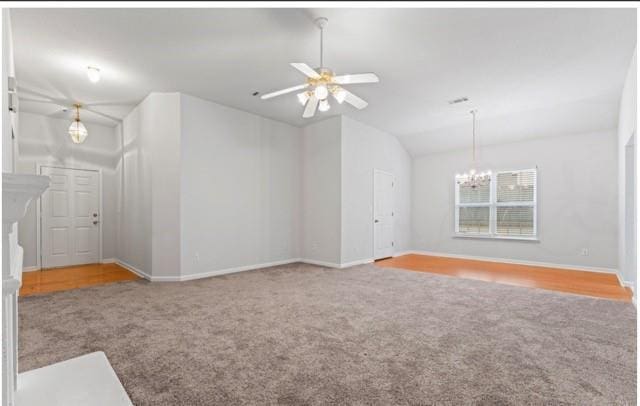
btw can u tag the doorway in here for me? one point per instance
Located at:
(70, 230)
(383, 214)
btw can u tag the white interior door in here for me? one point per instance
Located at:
(383, 215)
(70, 217)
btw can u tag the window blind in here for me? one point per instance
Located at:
(506, 207)
(480, 194)
(518, 186)
(474, 220)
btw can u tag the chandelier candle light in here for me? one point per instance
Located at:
(473, 178)
(77, 130)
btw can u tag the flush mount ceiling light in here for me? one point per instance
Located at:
(322, 82)
(93, 73)
(77, 130)
(473, 178)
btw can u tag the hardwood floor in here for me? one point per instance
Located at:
(73, 277)
(596, 284)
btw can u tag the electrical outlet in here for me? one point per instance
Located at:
(585, 251)
(197, 257)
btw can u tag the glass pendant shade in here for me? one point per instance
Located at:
(324, 106)
(321, 92)
(340, 95)
(303, 97)
(78, 132)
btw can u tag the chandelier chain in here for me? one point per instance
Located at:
(474, 135)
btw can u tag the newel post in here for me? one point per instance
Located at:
(17, 192)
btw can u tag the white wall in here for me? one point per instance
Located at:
(576, 194)
(165, 136)
(240, 188)
(134, 188)
(364, 149)
(149, 223)
(627, 125)
(44, 140)
(321, 191)
(7, 70)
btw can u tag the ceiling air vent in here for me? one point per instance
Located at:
(459, 100)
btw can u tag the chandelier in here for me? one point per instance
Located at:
(77, 130)
(472, 177)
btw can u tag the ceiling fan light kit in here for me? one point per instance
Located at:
(322, 82)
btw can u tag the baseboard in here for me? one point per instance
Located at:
(229, 270)
(355, 263)
(519, 262)
(182, 278)
(133, 269)
(631, 286)
(37, 268)
(167, 278)
(320, 263)
(401, 253)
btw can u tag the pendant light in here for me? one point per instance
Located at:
(77, 130)
(474, 178)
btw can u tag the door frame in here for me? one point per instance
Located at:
(630, 228)
(373, 212)
(39, 167)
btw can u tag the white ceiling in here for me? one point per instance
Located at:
(530, 72)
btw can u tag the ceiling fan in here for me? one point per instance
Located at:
(322, 82)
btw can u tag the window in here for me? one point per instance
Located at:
(505, 208)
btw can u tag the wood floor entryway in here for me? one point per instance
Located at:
(595, 284)
(73, 277)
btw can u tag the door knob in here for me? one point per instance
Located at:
(376, 221)
(95, 222)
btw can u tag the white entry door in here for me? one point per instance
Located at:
(383, 215)
(70, 231)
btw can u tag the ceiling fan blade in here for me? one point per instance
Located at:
(310, 110)
(354, 100)
(356, 78)
(304, 68)
(283, 91)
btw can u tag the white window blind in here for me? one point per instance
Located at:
(506, 207)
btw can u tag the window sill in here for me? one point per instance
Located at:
(496, 237)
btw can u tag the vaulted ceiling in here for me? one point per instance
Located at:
(529, 72)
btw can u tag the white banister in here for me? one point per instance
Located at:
(17, 192)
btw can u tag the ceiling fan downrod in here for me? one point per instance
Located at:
(321, 22)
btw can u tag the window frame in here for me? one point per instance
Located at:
(493, 205)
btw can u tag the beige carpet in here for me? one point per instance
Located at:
(302, 334)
